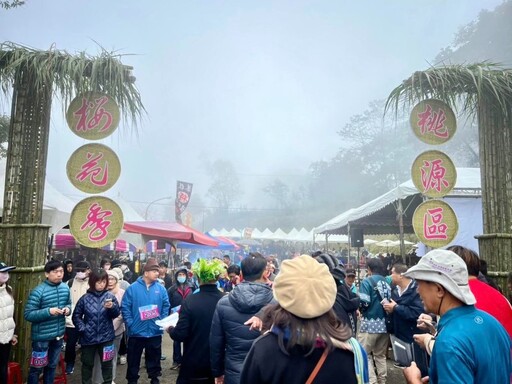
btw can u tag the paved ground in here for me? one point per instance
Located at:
(169, 376)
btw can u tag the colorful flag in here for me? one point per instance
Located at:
(183, 193)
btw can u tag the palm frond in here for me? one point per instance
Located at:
(71, 75)
(457, 85)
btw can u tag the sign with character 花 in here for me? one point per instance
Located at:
(93, 168)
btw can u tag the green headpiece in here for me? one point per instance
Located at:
(208, 270)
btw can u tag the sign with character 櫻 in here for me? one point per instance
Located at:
(93, 116)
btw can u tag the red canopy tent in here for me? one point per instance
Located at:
(169, 231)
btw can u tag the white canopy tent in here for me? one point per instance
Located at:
(56, 207)
(380, 215)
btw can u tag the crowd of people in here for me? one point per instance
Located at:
(303, 320)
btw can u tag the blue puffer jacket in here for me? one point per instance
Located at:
(93, 321)
(37, 310)
(139, 305)
(230, 339)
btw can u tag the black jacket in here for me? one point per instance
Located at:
(406, 313)
(267, 364)
(193, 329)
(230, 339)
(92, 320)
(346, 305)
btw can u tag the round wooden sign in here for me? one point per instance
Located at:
(93, 115)
(435, 223)
(96, 221)
(433, 121)
(434, 174)
(93, 168)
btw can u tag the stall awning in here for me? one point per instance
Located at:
(169, 231)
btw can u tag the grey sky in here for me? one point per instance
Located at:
(265, 84)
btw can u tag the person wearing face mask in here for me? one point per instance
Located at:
(78, 287)
(177, 293)
(127, 274)
(7, 324)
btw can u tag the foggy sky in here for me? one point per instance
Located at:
(264, 84)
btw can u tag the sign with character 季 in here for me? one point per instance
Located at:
(434, 174)
(93, 115)
(435, 223)
(96, 221)
(93, 168)
(433, 121)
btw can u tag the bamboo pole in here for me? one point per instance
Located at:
(23, 240)
(495, 246)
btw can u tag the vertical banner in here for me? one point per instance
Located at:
(183, 193)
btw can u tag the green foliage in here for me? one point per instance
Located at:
(4, 134)
(73, 74)
(457, 85)
(11, 4)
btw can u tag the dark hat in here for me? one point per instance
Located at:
(115, 263)
(151, 265)
(83, 265)
(5, 268)
(350, 272)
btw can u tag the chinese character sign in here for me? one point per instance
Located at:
(183, 193)
(434, 174)
(93, 116)
(247, 233)
(435, 223)
(93, 168)
(96, 221)
(433, 122)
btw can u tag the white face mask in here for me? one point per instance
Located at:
(81, 275)
(4, 277)
(124, 267)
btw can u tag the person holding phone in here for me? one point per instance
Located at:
(93, 318)
(46, 308)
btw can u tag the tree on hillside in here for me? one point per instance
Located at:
(486, 39)
(225, 186)
(280, 192)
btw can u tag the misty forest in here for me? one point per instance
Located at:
(375, 151)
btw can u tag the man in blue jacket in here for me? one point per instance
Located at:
(46, 308)
(144, 302)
